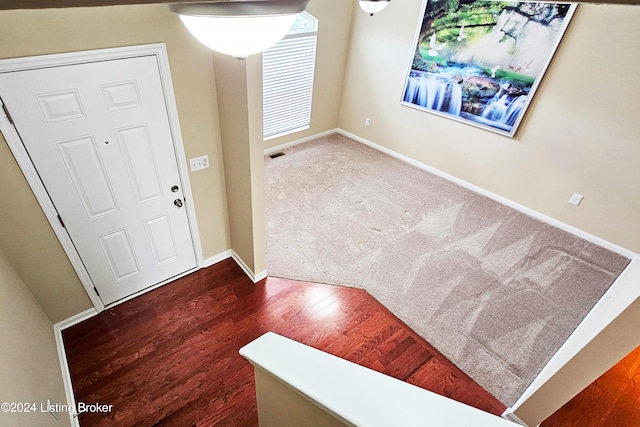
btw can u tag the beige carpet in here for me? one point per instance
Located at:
(494, 290)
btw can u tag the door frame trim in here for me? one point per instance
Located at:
(158, 50)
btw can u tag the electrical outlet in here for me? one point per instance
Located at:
(199, 163)
(367, 121)
(576, 199)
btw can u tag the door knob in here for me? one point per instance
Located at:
(174, 189)
(178, 203)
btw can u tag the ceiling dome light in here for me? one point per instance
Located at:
(239, 27)
(238, 36)
(373, 6)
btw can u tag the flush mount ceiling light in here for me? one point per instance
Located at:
(373, 6)
(239, 27)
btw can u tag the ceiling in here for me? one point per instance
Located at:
(46, 4)
(50, 4)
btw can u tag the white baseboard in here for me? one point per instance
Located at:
(217, 258)
(521, 208)
(525, 210)
(299, 141)
(230, 253)
(75, 319)
(255, 278)
(62, 357)
(87, 314)
(509, 415)
(205, 263)
(258, 277)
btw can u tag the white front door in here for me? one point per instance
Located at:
(99, 137)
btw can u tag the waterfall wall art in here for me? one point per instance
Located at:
(480, 62)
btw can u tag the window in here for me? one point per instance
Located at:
(287, 79)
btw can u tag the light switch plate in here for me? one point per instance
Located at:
(199, 163)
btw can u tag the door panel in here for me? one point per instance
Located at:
(119, 254)
(57, 107)
(160, 237)
(141, 165)
(119, 96)
(99, 136)
(85, 169)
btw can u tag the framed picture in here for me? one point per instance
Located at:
(480, 62)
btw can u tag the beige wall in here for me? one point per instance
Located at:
(239, 86)
(29, 367)
(579, 135)
(334, 25)
(280, 405)
(240, 101)
(256, 161)
(26, 237)
(33, 249)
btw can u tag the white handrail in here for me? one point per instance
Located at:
(355, 394)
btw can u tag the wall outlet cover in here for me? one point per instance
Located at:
(576, 199)
(199, 163)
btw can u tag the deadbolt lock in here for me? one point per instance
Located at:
(174, 189)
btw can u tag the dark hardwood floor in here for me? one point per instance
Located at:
(170, 357)
(613, 400)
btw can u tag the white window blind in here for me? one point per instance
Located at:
(287, 83)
